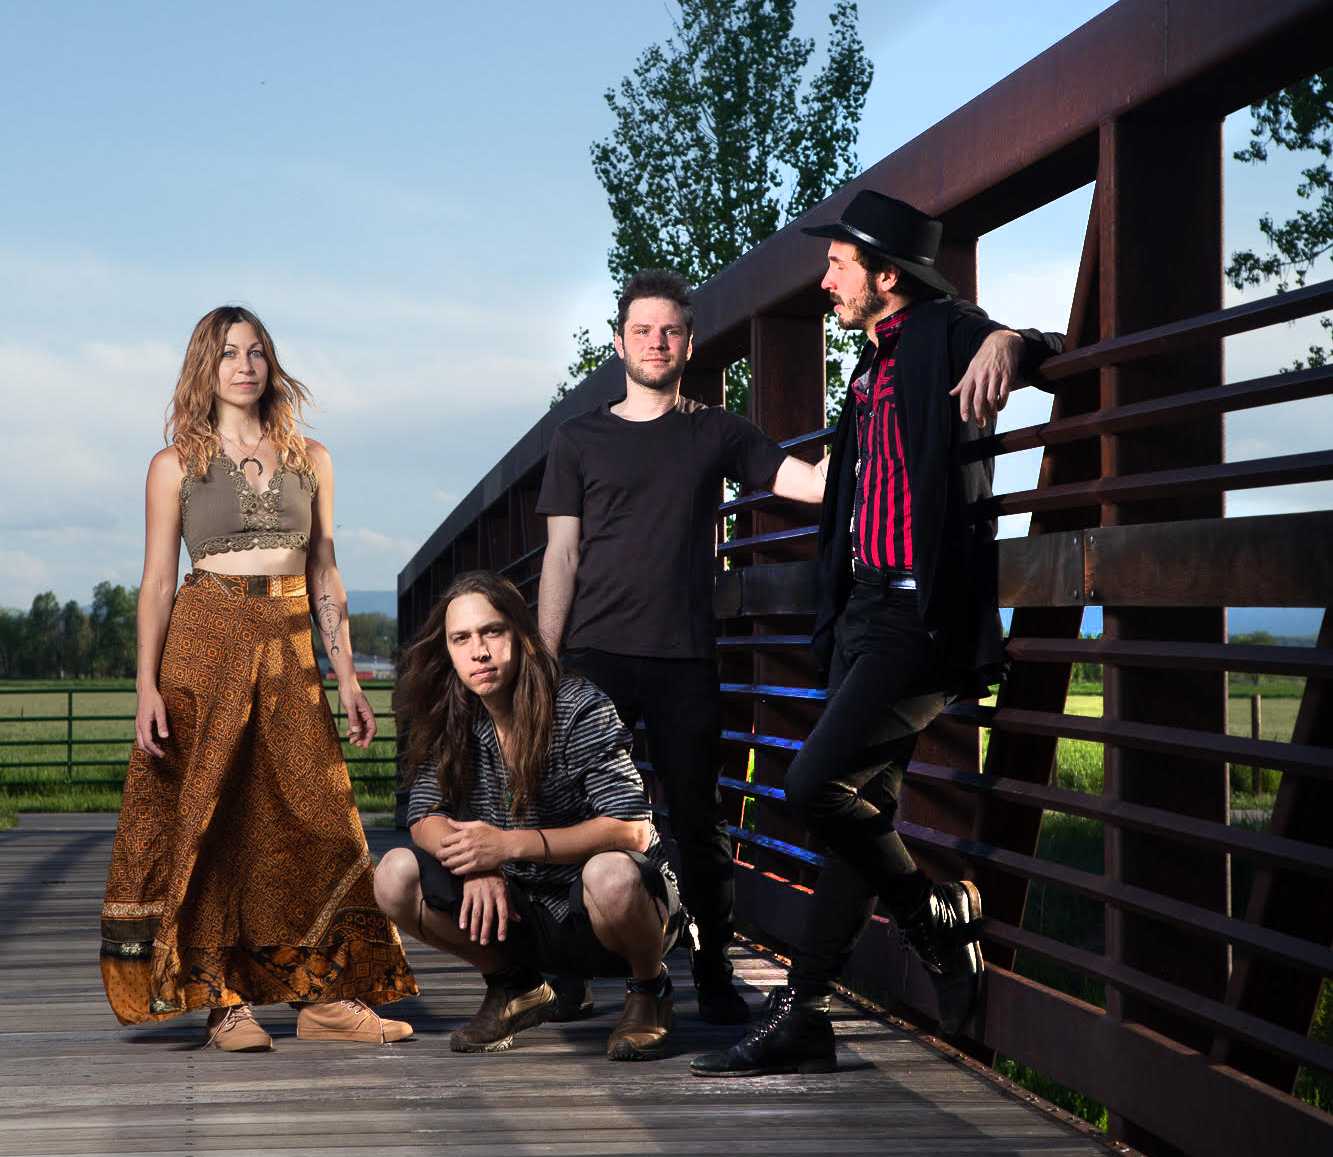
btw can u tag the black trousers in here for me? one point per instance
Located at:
(884, 690)
(680, 705)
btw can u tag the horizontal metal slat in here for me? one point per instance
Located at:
(1176, 335)
(1286, 470)
(1226, 399)
(794, 851)
(743, 642)
(774, 691)
(754, 739)
(514, 564)
(1258, 846)
(1302, 759)
(1173, 655)
(1214, 925)
(794, 534)
(1169, 996)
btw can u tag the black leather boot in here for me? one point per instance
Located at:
(794, 1035)
(719, 1001)
(943, 933)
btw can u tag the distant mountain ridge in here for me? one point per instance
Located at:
(1294, 624)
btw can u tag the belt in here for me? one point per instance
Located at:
(254, 586)
(887, 578)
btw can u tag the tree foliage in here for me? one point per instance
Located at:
(721, 137)
(1298, 119)
(53, 642)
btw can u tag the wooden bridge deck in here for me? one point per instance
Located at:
(74, 1082)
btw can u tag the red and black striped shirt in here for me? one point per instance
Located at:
(882, 513)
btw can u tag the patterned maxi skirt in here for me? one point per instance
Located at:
(240, 872)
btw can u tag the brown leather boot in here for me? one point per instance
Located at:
(641, 1032)
(349, 1020)
(503, 1013)
(235, 1030)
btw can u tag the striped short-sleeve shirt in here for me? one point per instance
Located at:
(589, 774)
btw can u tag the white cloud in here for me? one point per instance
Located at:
(374, 542)
(22, 575)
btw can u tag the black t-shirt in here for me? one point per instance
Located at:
(647, 494)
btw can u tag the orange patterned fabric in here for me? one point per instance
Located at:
(240, 872)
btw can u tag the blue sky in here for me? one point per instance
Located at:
(404, 194)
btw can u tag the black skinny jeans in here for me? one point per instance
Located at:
(680, 705)
(884, 690)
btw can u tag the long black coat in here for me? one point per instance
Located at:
(954, 556)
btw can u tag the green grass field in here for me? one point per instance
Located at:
(99, 741)
(34, 731)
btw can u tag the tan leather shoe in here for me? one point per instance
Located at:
(501, 1015)
(349, 1020)
(641, 1032)
(235, 1030)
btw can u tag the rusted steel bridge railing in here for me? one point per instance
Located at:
(1207, 1011)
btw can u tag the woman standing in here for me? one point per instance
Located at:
(240, 873)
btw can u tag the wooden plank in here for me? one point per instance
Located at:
(73, 1082)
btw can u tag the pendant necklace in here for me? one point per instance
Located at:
(249, 456)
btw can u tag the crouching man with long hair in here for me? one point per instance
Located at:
(534, 847)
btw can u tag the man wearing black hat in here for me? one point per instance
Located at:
(907, 617)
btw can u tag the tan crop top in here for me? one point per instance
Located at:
(222, 512)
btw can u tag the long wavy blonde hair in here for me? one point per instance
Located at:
(191, 417)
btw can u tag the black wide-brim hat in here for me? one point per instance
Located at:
(892, 229)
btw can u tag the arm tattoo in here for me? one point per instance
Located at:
(330, 618)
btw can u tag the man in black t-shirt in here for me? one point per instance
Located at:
(631, 493)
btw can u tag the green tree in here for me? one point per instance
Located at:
(1299, 119)
(13, 629)
(373, 634)
(113, 629)
(42, 638)
(76, 638)
(720, 140)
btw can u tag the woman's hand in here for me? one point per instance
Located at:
(360, 718)
(473, 846)
(485, 907)
(150, 712)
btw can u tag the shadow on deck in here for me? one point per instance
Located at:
(74, 1082)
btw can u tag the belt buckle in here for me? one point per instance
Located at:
(256, 586)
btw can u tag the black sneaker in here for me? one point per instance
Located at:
(503, 1012)
(573, 998)
(943, 933)
(792, 1036)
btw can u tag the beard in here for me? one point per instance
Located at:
(860, 309)
(658, 376)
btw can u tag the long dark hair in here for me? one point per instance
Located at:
(437, 711)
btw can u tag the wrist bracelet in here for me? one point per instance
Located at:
(546, 848)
